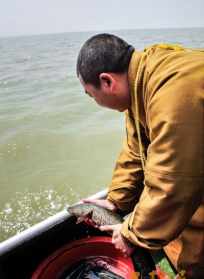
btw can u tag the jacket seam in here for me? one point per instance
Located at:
(154, 173)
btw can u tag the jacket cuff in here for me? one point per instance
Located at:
(137, 240)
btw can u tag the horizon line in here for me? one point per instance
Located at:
(97, 30)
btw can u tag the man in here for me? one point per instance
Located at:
(159, 175)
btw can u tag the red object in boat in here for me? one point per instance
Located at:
(67, 256)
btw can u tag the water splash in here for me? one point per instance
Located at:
(27, 209)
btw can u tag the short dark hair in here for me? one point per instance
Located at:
(103, 53)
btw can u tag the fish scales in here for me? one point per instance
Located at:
(99, 215)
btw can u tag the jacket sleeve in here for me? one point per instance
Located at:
(174, 172)
(127, 181)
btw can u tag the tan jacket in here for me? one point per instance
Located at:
(167, 199)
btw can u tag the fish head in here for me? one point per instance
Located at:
(82, 212)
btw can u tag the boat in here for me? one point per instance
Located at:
(23, 255)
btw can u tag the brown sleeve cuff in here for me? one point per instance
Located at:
(136, 239)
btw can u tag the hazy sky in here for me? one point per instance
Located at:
(19, 17)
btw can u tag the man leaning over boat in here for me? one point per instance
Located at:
(159, 175)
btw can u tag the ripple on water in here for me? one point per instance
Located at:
(26, 209)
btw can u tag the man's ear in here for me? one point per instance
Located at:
(106, 80)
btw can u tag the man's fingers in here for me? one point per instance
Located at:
(107, 228)
(96, 202)
(87, 201)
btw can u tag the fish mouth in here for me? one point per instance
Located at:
(86, 218)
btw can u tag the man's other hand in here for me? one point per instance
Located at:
(117, 239)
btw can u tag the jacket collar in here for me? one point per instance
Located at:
(133, 72)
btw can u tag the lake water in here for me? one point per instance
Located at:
(56, 145)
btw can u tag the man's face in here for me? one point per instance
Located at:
(114, 97)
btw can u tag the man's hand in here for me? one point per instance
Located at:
(103, 203)
(117, 239)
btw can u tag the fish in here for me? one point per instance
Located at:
(88, 270)
(94, 215)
